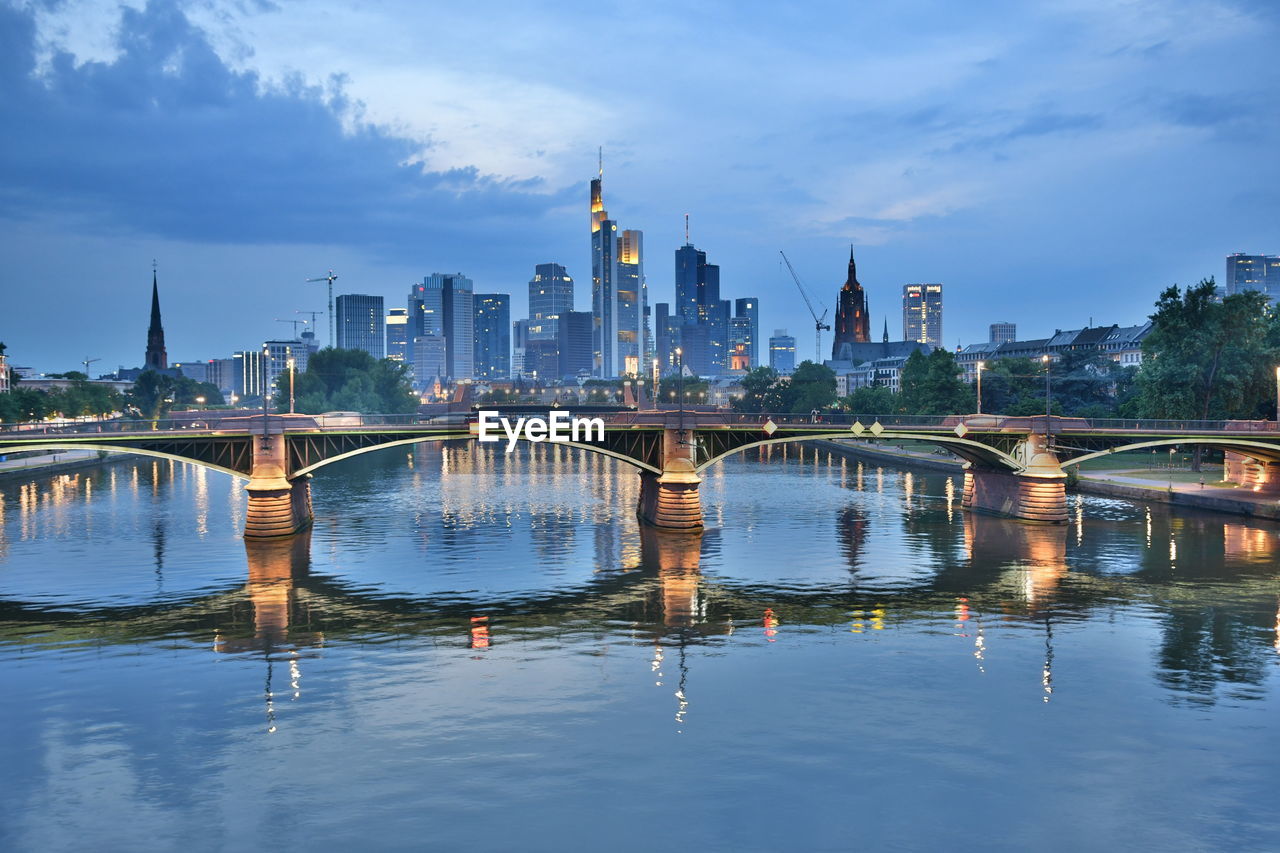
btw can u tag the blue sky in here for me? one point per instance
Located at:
(1049, 163)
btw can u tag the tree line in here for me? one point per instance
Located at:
(1204, 358)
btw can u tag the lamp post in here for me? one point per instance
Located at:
(979, 365)
(291, 371)
(266, 393)
(200, 402)
(1278, 398)
(680, 381)
(655, 383)
(1047, 399)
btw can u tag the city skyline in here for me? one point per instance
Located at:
(974, 174)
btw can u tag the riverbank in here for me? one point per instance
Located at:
(893, 455)
(1138, 485)
(49, 463)
(1233, 500)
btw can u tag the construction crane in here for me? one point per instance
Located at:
(296, 324)
(86, 362)
(329, 278)
(818, 323)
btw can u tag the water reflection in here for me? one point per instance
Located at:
(1207, 582)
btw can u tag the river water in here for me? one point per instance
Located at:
(474, 651)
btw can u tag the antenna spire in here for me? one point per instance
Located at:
(686, 230)
(600, 154)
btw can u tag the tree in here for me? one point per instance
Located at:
(348, 380)
(762, 391)
(870, 400)
(812, 386)
(930, 385)
(1206, 359)
(151, 395)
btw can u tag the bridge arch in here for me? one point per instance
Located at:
(593, 448)
(973, 452)
(1253, 449)
(115, 448)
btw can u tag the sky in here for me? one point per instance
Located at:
(1052, 164)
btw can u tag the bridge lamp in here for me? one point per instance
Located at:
(291, 371)
(1047, 406)
(200, 401)
(980, 365)
(1278, 396)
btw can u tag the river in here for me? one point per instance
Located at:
(476, 651)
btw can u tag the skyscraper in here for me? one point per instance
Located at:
(782, 352)
(632, 299)
(748, 308)
(922, 313)
(853, 320)
(492, 328)
(574, 344)
(604, 282)
(360, 323)
(1003, 332)
(1254, 272)
(618, 291)
(397, 323)
(157, 358)
(703, 317)
(550, 295)
(443, 306)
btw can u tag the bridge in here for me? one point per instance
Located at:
(1014, 466)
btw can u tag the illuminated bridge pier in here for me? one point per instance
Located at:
(1014, 466)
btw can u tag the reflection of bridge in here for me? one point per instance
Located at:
(1014, 465)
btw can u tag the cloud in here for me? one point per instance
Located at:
(166, 139)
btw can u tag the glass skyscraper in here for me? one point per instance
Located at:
(922, 313)
(618, 292)
(442, 306)
(360, 323)
(492, 328)
(1254, 272)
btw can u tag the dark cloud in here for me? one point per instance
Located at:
(168, 140)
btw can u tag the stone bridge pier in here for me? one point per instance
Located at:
(1037, 494)
(1258, 475)
(670, 500)
(277, 506)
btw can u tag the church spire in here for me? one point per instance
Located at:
(886, 330)
(157, 358)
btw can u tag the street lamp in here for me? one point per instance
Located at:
(291, 364)
(1045, 359)
(1278, 398)
(980, 366)
(680, 380)
(200, 402)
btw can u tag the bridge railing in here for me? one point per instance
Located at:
(1166, 425)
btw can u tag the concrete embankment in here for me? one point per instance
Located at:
(895, 456)
(1192, 496)
(1232, 501)
(49, 463)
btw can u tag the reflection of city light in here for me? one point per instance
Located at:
(770, 625)
(655, 665)
(950, 490)
(1173, 549)
(479, 632)
(1148, 527)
